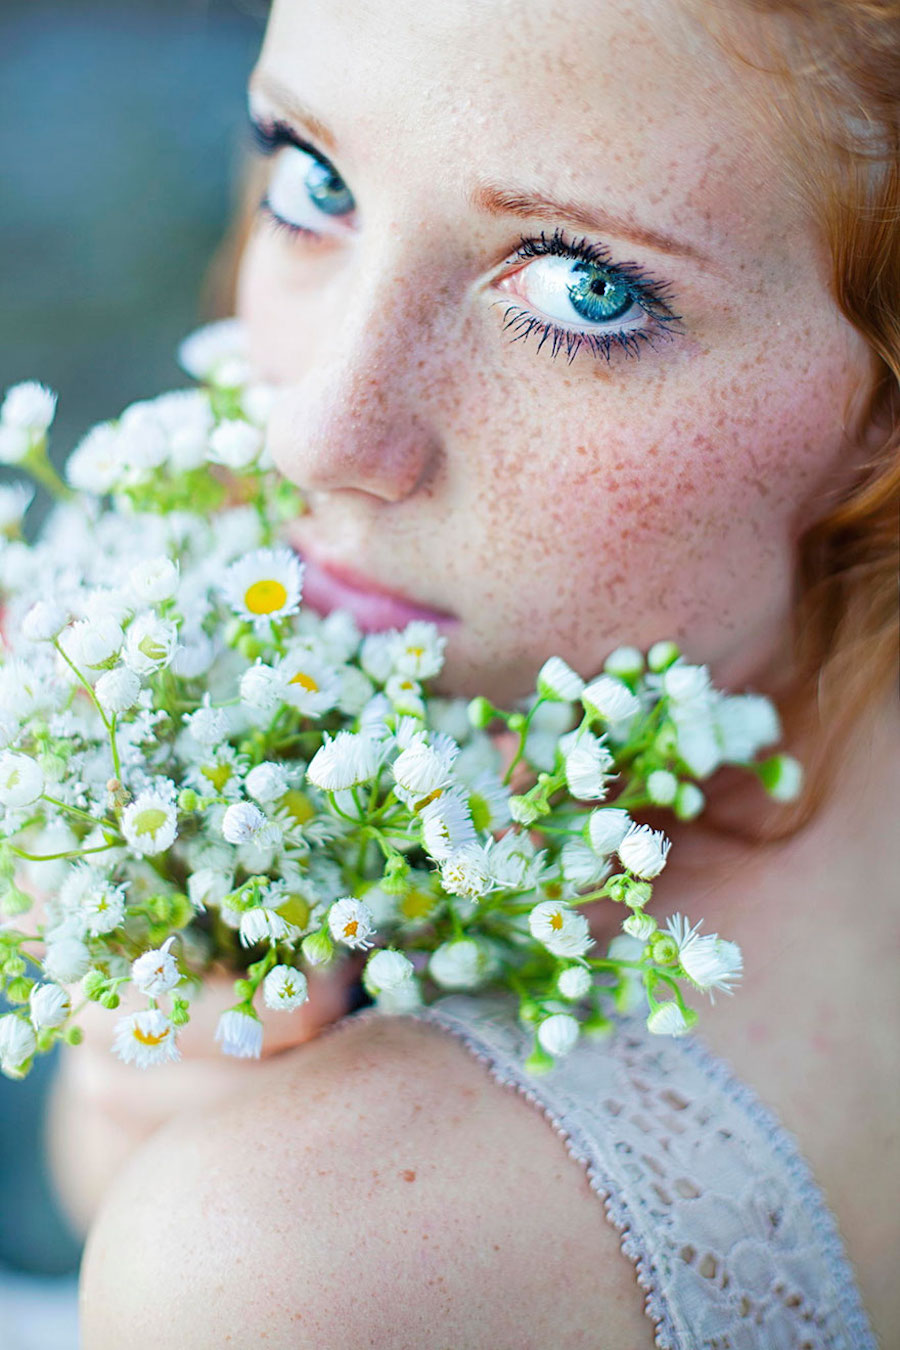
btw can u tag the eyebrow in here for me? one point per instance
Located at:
(495, 200)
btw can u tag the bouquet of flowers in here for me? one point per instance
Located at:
(197, 773)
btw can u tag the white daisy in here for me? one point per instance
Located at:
(265, 925)
(285, 988)
(103, 907)
(662, 787)
(710, 962)
(66, 960)
(581, 865)
(261, 687)
(44, 621)
(264, 585)
(422, 770)
(145, 1038)
(240, 1033)
(150, 643)
(308, 683)
(150, 823)
(156, 972)
(350, 922)
(418, 651)
(447, 825)
(562, 930)
(466, 872)
(21, 779)
(405, 694)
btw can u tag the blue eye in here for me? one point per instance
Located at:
(567, 285)
(303, 186)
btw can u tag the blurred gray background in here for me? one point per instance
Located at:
(122, 125)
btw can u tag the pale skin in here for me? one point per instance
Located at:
(375, 1186)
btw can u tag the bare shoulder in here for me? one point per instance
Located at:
(378, 1189)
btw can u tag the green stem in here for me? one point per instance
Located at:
(76, 811)
(52, 857)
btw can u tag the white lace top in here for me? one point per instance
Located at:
(730, 1235)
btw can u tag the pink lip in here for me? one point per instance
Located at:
(328, 586)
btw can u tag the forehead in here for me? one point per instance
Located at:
(629, 101)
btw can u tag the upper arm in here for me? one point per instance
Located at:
(379, 1190)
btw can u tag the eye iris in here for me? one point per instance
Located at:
(595, 296)
(329, 192)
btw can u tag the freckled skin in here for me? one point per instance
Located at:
(553, 507)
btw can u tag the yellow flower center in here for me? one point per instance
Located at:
(265, 596)
(424, 801)
(150, 820)
(416, 904)
(416, 651)
(218, 774)
(556, 921)
(305, 681)
(299, 805)
(149, 1037)
(350, 928)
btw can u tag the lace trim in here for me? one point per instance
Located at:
(677, 1300)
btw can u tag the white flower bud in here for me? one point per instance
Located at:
(154, 580)
(625, 663)
(662, 787)
(17, 1044)
(461, 964)
(661, 655)
(67, 960)
(240, 1034)
(117, 690)
(558, 1033)
(91, 644)
(610, 699)
(782, 777)
(267, 782)
(607, 828)
(557, 680)
(44, 621)
(668, 1020)
(640, 926)
(49, 1005)
(29, 407)
(14, 445)
(644, 851)
(261, 688)
(689, 801)
(241, 822)
(235, 444)
(385, 970)
(574, 982)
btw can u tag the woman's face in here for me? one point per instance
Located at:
(652, 486)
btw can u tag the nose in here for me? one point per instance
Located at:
(356, 417)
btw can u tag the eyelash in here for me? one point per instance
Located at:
(652, 296)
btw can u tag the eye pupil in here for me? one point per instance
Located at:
(328, 190)
(595, 296)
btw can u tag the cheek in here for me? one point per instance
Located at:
(278, 301)
(663, 506)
